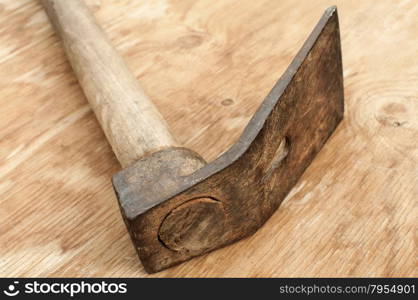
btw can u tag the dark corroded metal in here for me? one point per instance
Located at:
(175, 207)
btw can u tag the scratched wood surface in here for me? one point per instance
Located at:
(208, 65)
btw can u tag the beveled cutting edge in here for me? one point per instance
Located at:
(173, 215)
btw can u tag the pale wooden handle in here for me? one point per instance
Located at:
(131, 122)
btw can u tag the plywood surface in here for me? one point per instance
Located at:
(208, 65)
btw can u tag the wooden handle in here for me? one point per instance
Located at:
(131, 122)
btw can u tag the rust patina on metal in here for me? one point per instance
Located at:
(176, 206)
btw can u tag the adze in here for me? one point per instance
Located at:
(175, 205)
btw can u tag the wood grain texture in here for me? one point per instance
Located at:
(208, 67)
(130, 121)
(169, 217)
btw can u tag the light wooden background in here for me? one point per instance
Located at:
(208, 65)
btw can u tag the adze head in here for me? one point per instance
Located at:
(176, 206)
